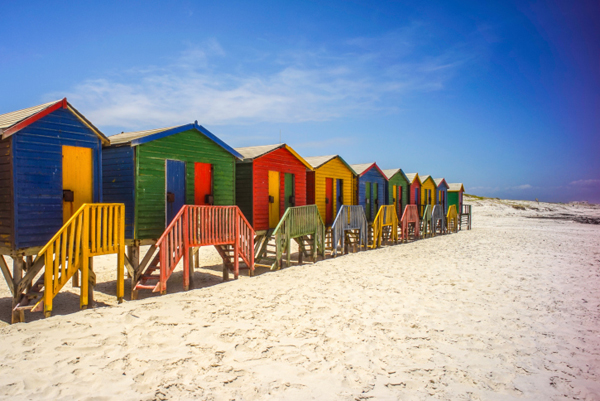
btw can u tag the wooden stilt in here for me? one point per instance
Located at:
(18, 264)
(192, 252)
(133, 254)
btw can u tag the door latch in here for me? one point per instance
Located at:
(68, 195)
(170, 197)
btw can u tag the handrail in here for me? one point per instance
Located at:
(386, 217)
(452, 219)
(95, 229)
(410, 216)
(426, 222)
(348, 218)
(437, 215)
(196, 226)
(296, 222)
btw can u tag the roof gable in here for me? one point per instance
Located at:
(440, 181)
(456, 187)
(318, 161)
(140, 137)
(13, 122)
(251, 153)
(426, 178)
(393, 171)
(362, 169)
(412, 177)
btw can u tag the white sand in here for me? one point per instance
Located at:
(508, 310)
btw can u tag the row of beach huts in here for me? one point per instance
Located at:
(69, 193)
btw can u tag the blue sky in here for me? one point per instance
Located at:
(502, 96)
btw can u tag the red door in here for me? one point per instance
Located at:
(203, 184)
(328, 201)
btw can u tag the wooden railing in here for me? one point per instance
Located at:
(95, 229)
(410, 217)
(349, 218)
(466, 214)
(386, 217)
(452, 219)
(438, 216)
(196, 226)
(299, 221)
(426, 228)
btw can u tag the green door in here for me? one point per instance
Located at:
(290, 199)
(368, 200)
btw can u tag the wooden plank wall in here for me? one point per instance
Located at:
(428, 185)
(244, 189)
(118, 181)
(398, 180)
(337, 170)
(6, 194)
(285, 162)
(372, 176)
(37, 164)
(189, 146)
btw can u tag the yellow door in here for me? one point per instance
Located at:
(273, 198)
(78, 177)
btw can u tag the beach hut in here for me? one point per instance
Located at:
(414, 189)
(269, 179)
(50, 165)
(455, 195)
(428, 191)
(329, 185)
(155, 172)
(442, 193)
(371, 185)
(398, 189)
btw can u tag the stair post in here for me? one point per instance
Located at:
(186, 246)
(236, 249)
(19, 315)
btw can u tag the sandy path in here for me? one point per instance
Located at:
(508, 310)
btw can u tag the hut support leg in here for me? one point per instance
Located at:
(17, 316)
(133, 254)
(192, 252)
(91, 284)
(28, 265)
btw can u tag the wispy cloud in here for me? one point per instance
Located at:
(585, 183)
(520, 187)
(208, 84)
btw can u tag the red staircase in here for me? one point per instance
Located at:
(224, 227)
(409, 222)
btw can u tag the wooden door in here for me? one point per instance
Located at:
(203, 184)
(77, 179)
(175, 188)
(273, 198)
(368, 200)
(395, 199)
(375, 199)
(400, 205)
(328, 201)
(339, 195)
(289, 190)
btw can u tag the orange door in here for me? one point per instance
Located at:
(328, 201)
(78, 179)
(203, 193)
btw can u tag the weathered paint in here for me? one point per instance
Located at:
(377, 185)
(254, 201)
(148, 158)
(428, 191)
(38, 172)
(77, 177)
(339, 171)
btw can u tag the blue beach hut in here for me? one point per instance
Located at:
(370, 188)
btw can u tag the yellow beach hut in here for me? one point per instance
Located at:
(428, 191)
(329, 186)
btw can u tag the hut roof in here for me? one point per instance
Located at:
(140, 137)
(393, 171)
(318, 161)
(425, 178)
(15, 121)
(440, 181)
(250, 153)
(456, 187)
(361, 169)
(412, 176)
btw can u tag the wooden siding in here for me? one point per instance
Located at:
(118, 181)
(428, 185)
(243, 189)
(411, 192)
(188, 146)
(338, 171)
(37, 164)
(398, 180)
(6, 194)
(372, 176)
(283, 161)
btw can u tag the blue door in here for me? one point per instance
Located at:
(340, 195)
(175, 196)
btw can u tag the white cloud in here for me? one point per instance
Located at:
(521, 187)
(585, 183)
(209, 85)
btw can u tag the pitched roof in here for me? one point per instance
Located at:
(364, 167)
(425, 178)
(15, 121)
(140, 137)
(393, 171)
(412, 176)
(318, 161)
(439, 181)
(456, 187)
(250, 153)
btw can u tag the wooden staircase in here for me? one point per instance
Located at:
(349, 229)
(410, 223)
(465, 217)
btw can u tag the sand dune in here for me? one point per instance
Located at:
(508, 310)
